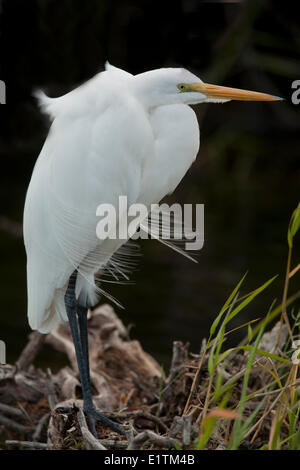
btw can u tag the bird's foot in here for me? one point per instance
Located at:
(94, 416)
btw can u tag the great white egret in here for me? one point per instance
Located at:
(117, 134)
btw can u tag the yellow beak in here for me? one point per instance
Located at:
(226, 93)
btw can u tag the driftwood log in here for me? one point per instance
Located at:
(43, 410)
(127, 383)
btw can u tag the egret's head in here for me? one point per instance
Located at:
(178, 85)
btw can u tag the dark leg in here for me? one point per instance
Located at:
(83, 328)
(82, 357)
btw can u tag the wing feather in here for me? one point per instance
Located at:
(81, 166)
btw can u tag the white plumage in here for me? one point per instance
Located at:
(117, 134)
(102, 143)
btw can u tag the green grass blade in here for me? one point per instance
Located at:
(225, 306)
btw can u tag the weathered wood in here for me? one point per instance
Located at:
(27, 445)
(174, 393)
(12, 411)
(120, 368)
(149, 436)
(9, 423)
(21, 386)
(52, 399)
(31, 350)
(86, 434)
(127, 386)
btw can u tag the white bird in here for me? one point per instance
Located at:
(117, 134)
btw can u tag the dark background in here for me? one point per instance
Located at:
(247, 173)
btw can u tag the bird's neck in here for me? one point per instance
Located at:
(148, 91)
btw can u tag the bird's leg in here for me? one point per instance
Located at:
(83, 328)
(82, 313)
(82, 357)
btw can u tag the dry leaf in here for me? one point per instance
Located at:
(222, 413)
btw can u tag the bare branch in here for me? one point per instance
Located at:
(13, 425)
(186, 431)
(51, 390)
(12, 411)
(86, 434)
(153, 438)
(41, 424)
(27, 445)
(35, 343)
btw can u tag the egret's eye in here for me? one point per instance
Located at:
(181, 87)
